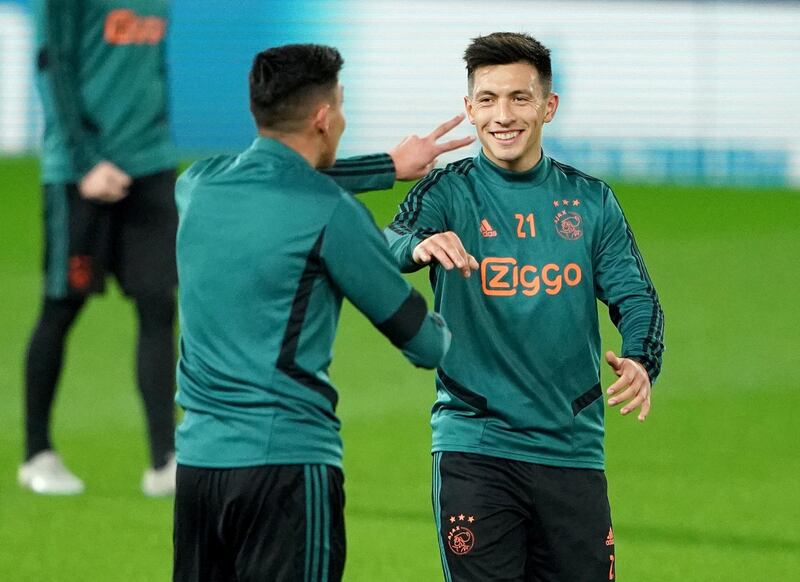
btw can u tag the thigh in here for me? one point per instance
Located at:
(481, 514)
(199, 552)
(78, 242)
(145, 226)
(574, 539)
(286, 523)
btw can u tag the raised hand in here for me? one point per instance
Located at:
(416, 156)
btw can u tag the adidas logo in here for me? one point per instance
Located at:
(486, 229)
(610, 537)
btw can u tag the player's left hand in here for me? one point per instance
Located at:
(416, 156)
(632, 388)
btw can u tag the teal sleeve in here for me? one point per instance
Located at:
(421, 214)
(358, 261)
(623, 283)
(59, 23)
(363, 173)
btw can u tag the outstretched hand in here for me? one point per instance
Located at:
(448, 250)
(416, 156)
(633, 386)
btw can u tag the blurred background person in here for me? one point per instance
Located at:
(108, 175)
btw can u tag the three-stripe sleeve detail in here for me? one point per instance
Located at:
(653, 342)
(362, 166)
(411, 207)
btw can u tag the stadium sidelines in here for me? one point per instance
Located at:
(704, 490)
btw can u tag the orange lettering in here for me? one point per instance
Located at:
(501, 276)
(499, 268)
(553, 285)
(125, 27)
(530, 286)
(575, 276)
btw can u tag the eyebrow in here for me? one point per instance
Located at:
(486, 92)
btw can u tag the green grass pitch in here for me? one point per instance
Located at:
(706, 489)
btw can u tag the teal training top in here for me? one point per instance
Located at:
(521, 380)
(102, 81)
(267, 248)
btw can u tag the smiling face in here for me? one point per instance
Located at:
(508, 107)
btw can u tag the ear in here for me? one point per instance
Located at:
(552, 106)
(321, 121)
(468, 109)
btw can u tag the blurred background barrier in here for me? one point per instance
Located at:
(697, 92)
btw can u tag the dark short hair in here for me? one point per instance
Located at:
(505, 48)
(286, 81)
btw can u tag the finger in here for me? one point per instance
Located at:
(645, 410)
(628, 393)
(635, 403)
(455, 250)
(613, 360)
(446, 126)
(473, 263)
(454, 144)
(441, 255)
(619, 385)
(421, 255)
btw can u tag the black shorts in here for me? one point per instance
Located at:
(504, 520)
(133, 239)
(282, 523)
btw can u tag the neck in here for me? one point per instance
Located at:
(305, 145)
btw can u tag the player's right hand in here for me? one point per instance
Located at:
(105, 183)
(448, 250)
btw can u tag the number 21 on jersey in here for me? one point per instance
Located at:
(526, 225)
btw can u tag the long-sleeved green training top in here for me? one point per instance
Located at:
(102, 81)
(522, 378)
(267, 249)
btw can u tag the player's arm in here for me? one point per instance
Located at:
(411, 159)
(623, 283)
(358, 261)
(419, 236)
(59, 22)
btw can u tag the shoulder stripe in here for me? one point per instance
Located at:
(412, 205)
(570, 171)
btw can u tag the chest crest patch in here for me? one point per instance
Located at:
(568, 221)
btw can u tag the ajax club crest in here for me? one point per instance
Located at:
(568, 222)
(460, 538)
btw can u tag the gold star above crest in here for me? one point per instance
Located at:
(576, 202)
(461, 517)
